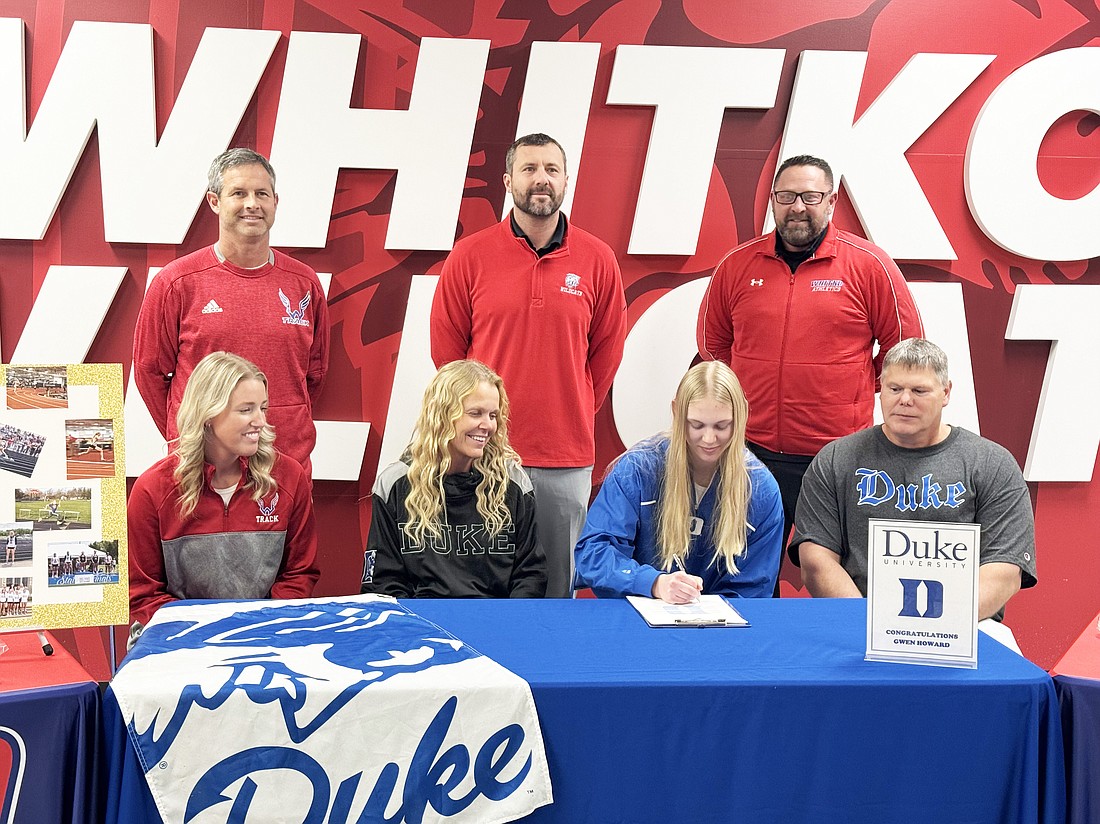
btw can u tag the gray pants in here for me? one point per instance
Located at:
(561, 504)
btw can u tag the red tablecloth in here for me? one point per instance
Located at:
(25, 667)
(1082, 660)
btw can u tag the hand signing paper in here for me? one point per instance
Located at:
(677, 587)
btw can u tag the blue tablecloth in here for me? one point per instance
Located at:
(779, 722)
(1077, 683)
(1080, 702)
(50, 737)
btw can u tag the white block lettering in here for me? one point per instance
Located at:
(1066, 434)
(1002, 182)
(870, 153)
(691, 88)
(659, 350)
(414, 370)
(104, 79)
(68, 313)
(317, 134)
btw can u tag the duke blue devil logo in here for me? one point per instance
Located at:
(272, 718)
(296, 317)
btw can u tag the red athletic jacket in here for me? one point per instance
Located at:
(274, 316)
(552, 327)
(249, 549)
(801, 344)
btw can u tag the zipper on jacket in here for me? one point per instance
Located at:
(536, 283)
(537, 279)
(779, 410)
(536, 271)
(783, 347)
(225, 505)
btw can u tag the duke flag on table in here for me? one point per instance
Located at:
(264, 711)
(922, 592)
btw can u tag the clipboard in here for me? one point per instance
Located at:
(705, 611)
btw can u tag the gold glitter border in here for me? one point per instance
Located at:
(115, 606)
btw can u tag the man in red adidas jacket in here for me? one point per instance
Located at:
(240, 296)
(796, 313)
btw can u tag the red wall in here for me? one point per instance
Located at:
(370, 284)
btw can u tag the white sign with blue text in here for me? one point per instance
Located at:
(922, 592)
(335, 710)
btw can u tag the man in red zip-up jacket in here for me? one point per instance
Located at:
(541, 302)
(796, 313)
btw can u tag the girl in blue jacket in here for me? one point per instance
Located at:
(688, 511)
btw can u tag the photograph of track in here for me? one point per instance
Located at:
(19, 449)
(37, 387)
(60, 507)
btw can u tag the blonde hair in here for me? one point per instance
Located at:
(429, 456)
(205, 397)
(715, 381)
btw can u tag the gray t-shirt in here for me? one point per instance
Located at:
(963, 479)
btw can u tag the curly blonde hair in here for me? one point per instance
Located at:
(429, 456)
(711, 380)
(205, 397)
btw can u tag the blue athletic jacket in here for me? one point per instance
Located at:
(618, 546)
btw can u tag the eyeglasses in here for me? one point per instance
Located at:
(809, 198)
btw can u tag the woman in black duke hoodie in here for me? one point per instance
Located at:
(455, 517)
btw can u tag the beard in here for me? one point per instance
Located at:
(526, 203)
(799, 234)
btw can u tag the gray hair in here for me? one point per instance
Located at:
(805, 160)
(918, 353)
(231, 158)
(536, 139)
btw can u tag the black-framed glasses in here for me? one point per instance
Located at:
(809, 198)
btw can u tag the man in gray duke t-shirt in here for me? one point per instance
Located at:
(913, 467)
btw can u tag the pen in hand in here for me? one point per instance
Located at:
(687, 580)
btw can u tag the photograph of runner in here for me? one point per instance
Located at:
(55, 507)
(89, 448)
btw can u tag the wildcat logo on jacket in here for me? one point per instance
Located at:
(13, 754)
(334, 711)
(296, 317)
(572, 285)
(267, 513)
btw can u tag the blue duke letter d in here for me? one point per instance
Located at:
(909, 589)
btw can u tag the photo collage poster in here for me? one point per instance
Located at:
(62, 497)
